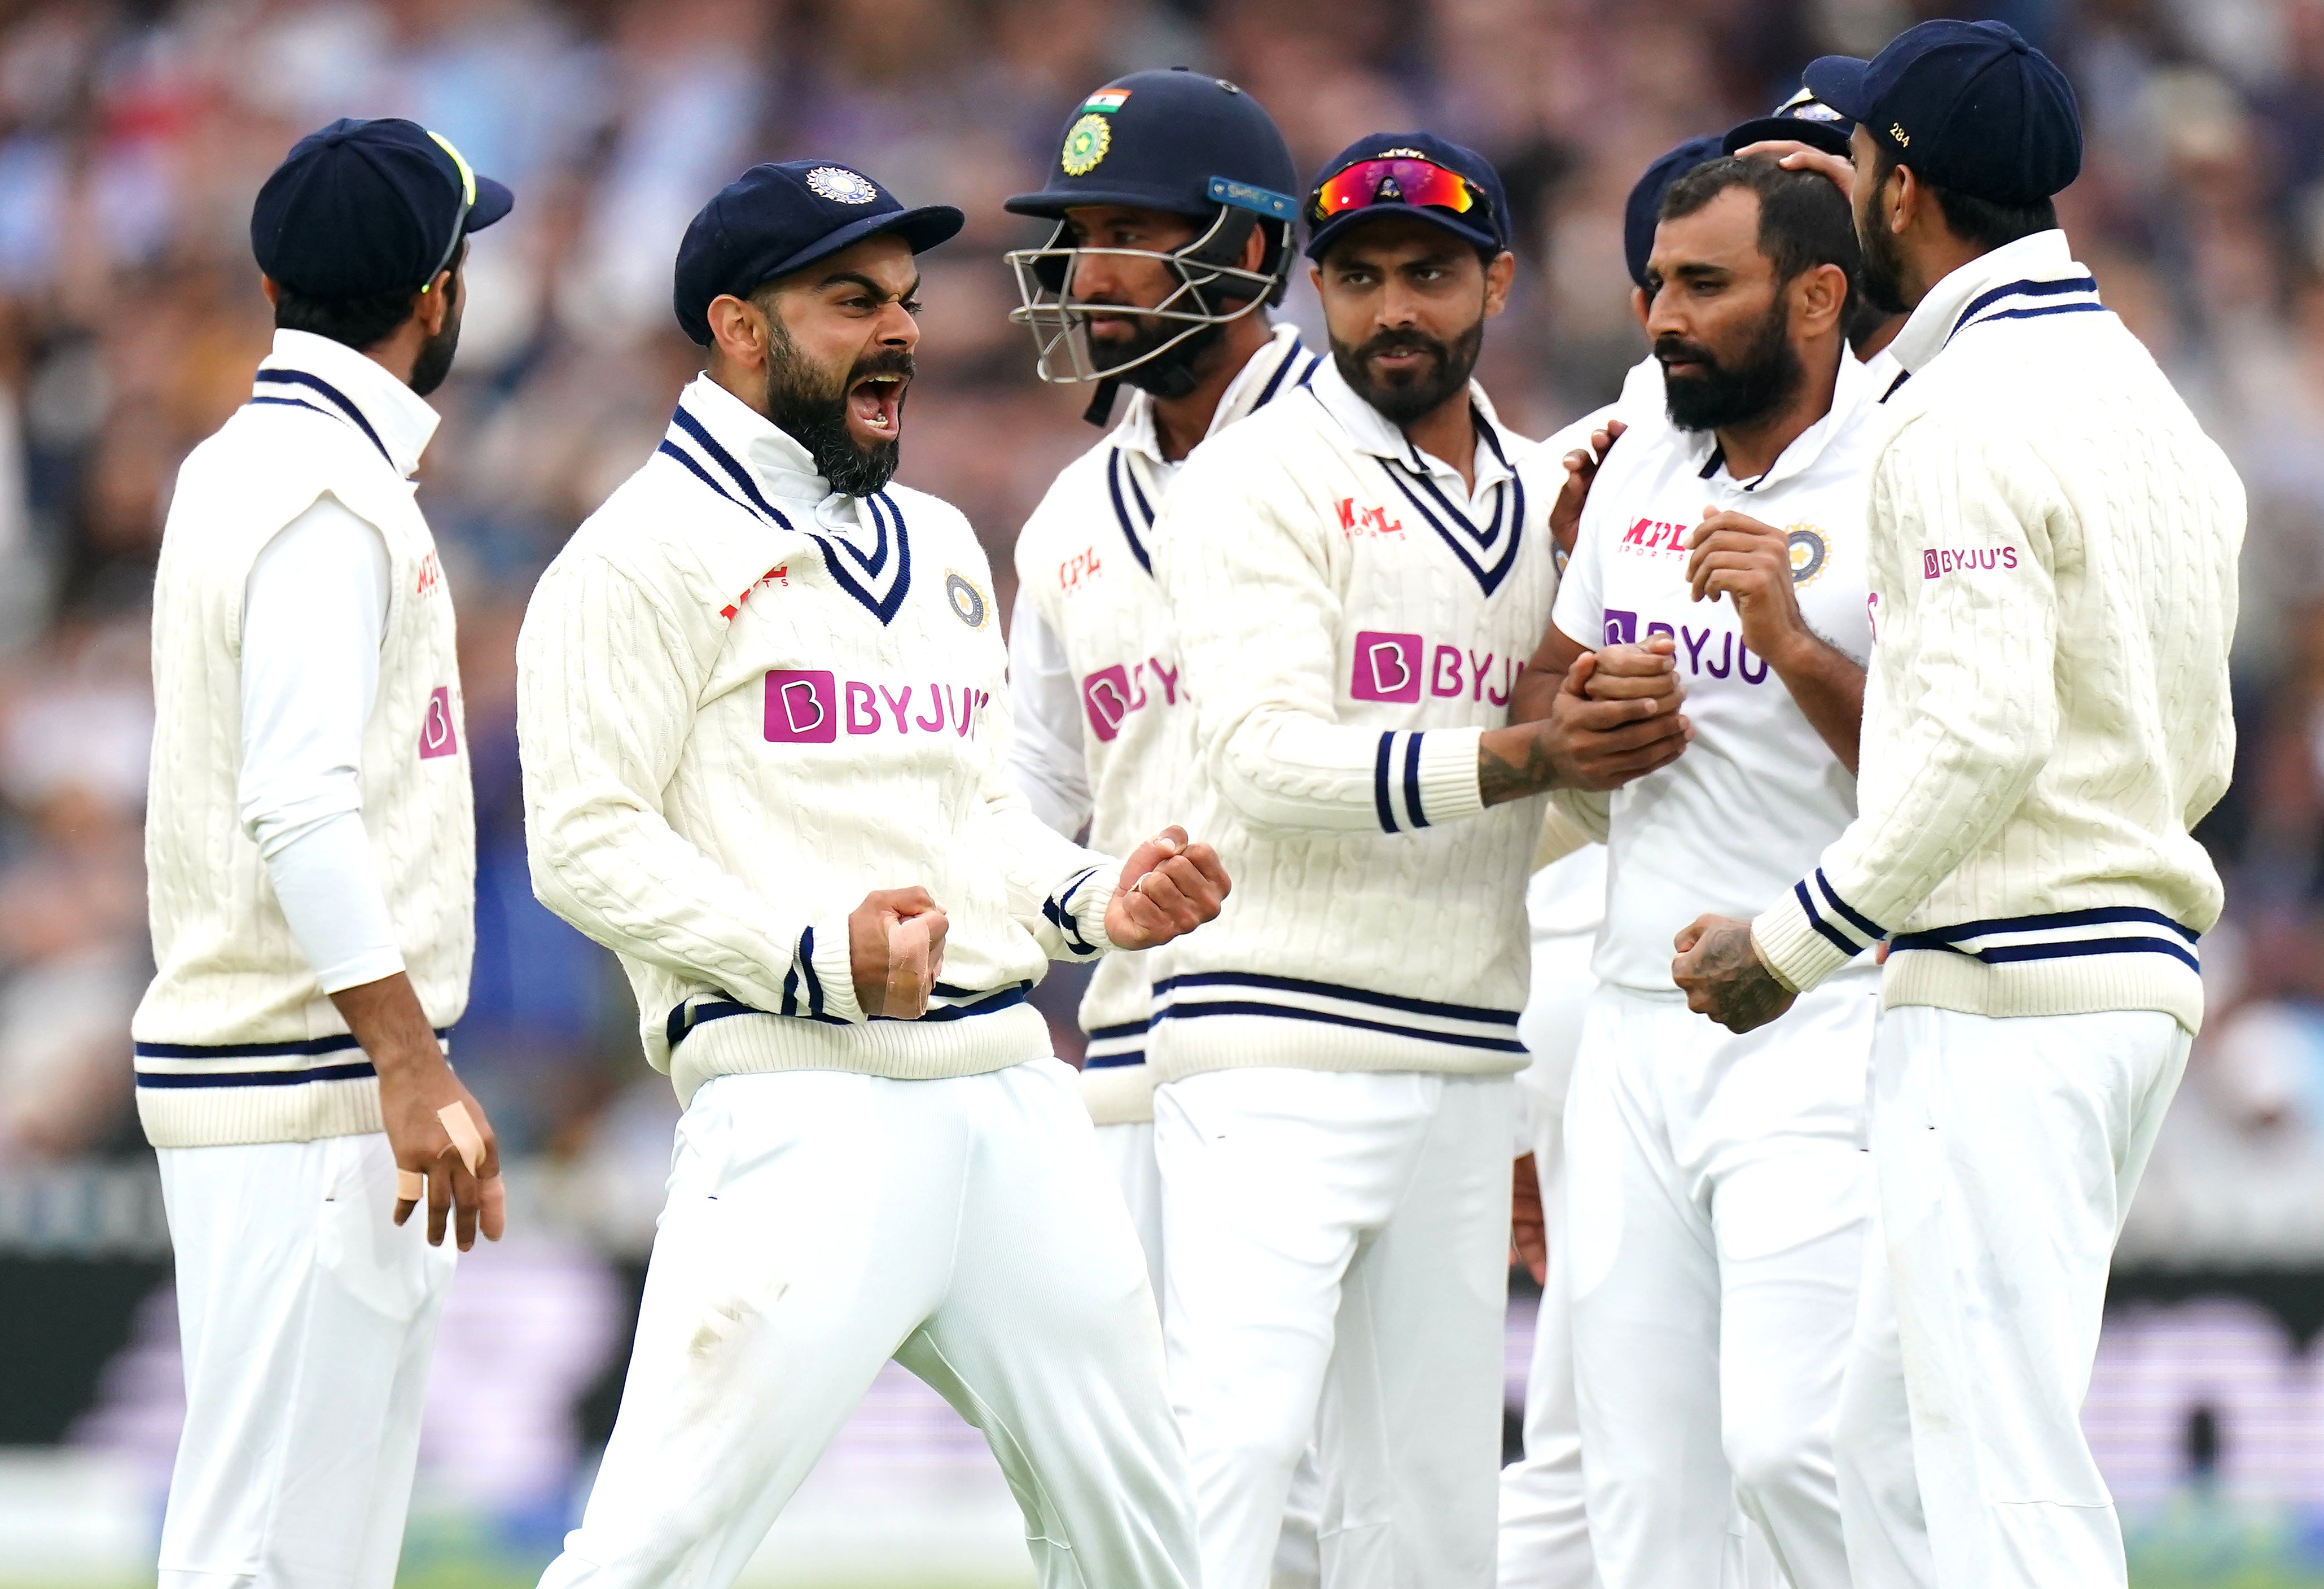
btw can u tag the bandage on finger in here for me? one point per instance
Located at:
(410, 1186)
(909, 977)
(467, 1142)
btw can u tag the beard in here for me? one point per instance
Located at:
(1172, 373)
(435, 360)
(809, 406)
(1403, 400)
(1882, 278)
(1760, 379)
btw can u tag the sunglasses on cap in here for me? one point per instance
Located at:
(460, 217)
(1395, 180)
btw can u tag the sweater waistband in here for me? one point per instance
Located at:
(2060, 935)
(949, 1003)
(256, 1064)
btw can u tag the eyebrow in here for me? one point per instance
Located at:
(858, 279)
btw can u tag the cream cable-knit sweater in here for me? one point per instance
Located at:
(2054, 544)
(1350, 627)
(236, 1041)
(743, 703)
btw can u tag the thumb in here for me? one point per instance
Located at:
(1689, 936)
(1171, 841)
(1578, 675)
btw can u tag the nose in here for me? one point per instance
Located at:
(897, 329)
(1089, 277)
(1665, 314)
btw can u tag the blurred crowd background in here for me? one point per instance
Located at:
(133, 137)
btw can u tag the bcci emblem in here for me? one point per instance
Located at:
(1808, 553)
(1086, 142)
(968, 603)
(841, 186)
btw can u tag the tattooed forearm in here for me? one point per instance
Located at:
(1507, 771)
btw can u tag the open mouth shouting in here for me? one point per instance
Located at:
(875, 405)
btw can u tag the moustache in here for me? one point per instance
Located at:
(1671, 349)
(1402, 342)
(890, 362)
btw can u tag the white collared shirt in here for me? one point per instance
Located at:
(1759, 794)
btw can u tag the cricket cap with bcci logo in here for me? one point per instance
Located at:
(364, 208)
(780, 217)
(1967, 105)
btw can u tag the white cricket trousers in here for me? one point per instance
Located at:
(307, 1319)
(821, 1222)
(1338, 1249)
(1129, 1150)
(1717, 1201)
(2006, 1152)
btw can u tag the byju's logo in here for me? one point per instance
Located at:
(802, 707)
(438, 736)
(1392, 668)
(1111, 694)
(1936, 562)
(1388, 667)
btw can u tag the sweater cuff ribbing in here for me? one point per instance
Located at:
(1087, 902)
(1793, 945)
(1450, 787)
(833, 964)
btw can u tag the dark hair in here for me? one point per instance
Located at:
(361, 323)
(1982, 221)
(1804, 220)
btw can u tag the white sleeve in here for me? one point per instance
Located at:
(1045, 759)
(314, 615)
(1260, 621)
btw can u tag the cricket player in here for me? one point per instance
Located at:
(765, 723)
(1103, 730)
(1357, 574)
(1171, 193)
(2053, 566)
(1715, 1194)
(310, 851)
(1545, 1536)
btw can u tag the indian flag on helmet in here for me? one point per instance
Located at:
(1108, 100)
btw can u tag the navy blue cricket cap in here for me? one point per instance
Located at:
(1969, 105)
(364, 208)
(1484, 224)
(775, 219)
(1174, 141)
(1644, 207)
(1801, 119)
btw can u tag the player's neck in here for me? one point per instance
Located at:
(1751, 449)
(1180, 423)
(1449, 431)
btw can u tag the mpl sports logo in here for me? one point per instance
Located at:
(1397, 668)
(1359, 522)
(810, 706)
(1110, 694)
(1936, 562)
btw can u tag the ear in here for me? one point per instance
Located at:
(1819, 296)
(1902, 200)
(1641, 306)
(1254, 250)
(739, 331)
(1498, 277)
(266, 285)
(434, 302)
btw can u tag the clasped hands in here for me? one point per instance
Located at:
(895, 939)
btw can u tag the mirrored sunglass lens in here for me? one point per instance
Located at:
(1379, 181)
